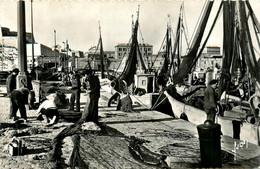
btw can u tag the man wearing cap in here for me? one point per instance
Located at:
(210, 100)
(10, 86)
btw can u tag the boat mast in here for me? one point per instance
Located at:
(172, 66)
(187, 62)
(101, 53)
(246, 43)
(131, 64)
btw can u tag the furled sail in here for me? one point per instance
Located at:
(228, 44)
(102, 58)
(246, 43)
(177, 37)
(187, 62)
(164, 69)
(131, 65)
(140, 60)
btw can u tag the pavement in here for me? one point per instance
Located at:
(175, 138)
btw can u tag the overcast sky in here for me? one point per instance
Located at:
(77, 20)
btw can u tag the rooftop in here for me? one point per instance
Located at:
(128, 44)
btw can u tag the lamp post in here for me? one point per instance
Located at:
(55, 49)
(67, 53)
(32, 36)
(2, 59)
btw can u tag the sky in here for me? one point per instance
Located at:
(78, 20)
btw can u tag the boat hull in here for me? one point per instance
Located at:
(247, 131)
(143, 100)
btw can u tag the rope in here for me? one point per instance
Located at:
(193, 34)
(157, 100)
(159, 50)
(140, 102)
(160, 102)
(186, 33)
(155, 105)
(211, 29)
(147, 106)
(145, 49)
(123, 56)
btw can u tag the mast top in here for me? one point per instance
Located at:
(99, 27)
(169, 22)
(138, 12)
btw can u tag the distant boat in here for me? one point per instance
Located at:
(132, 77)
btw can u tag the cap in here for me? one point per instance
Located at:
(16, 70)
(214, 81)
(88, 71)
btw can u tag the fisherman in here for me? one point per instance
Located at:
(233, 87)
(161, 82)
(75, 82)
(119, 88)
(116, 94)
(31, 93)
(210, 100)
(70, 77)
(91, 108)
(84, 82)
(195, 80)
(19, 97)
(49, 110)
(10, 86)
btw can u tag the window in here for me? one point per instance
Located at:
(143, 82)
(120, 49)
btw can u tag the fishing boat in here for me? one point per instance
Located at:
(135, 70)
(238, 53)
(133, 77)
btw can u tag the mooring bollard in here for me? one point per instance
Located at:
(210, 149)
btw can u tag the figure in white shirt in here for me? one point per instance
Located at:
(48, 111)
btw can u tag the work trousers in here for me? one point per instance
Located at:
(50, 113)
(75, 96)
(17, 102)
(211, 114)
(115, 97)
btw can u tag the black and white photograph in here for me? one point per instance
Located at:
(129, 84)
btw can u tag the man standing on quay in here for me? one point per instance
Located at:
(10, 86)
(75, 81)
(210, 100)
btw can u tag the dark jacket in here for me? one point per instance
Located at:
(10, 84)
(210, 100)
(20, 95)
(75, 82)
